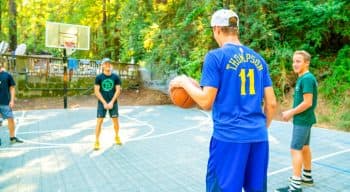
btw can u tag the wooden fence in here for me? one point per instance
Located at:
(39, 65)
(46, 73)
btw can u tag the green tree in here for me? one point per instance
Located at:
(12, 24)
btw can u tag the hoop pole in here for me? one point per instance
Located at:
(65, 79)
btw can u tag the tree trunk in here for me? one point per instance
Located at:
(105, 30)
(12, 24)
(116, 38)
(0, 18)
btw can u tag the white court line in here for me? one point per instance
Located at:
(142, 123)
(173, 132)
(18, 125)
(47, 131)
(70, 144)
(138, 138)
(29, 148)
(61, 130)
(273, 139)
(316, 159)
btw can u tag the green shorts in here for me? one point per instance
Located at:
(301, 136)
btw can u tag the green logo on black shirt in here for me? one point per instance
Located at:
(107, 84)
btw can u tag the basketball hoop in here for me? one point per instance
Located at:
(70, 47)
(67, 36)
(70, 51)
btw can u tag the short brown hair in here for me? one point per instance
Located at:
(233, 28)
(305, 54)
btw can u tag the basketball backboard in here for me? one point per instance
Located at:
(62, 35)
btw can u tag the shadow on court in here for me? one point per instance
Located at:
(165, 149)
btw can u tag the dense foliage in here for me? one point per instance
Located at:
(172, 36)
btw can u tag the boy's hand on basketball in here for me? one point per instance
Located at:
(194, 82)
(182, 81)
(178, 81)
(287, 115)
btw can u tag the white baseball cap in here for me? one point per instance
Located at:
(222, 17)
(106, 60)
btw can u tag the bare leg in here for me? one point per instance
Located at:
(297, 162)
(98, 128)
(307, 175)
(306, 151)
(11, 126)
(116, 125)
(116, 130)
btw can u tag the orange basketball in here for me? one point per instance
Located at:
(181, 98)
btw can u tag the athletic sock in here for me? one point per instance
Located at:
(307, 176)
(295, 183)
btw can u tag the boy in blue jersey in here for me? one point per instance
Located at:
(7, 102)
(303, 114)
(236, 85)
(107, 90)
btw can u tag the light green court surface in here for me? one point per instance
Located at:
(165, 149)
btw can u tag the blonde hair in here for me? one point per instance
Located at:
(305, 54)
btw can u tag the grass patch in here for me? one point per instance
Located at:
(332, 115)
(328, 114)
(344, 123)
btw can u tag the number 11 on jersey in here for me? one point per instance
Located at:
(243, 77)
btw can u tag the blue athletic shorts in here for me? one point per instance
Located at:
(234, 166)
(6, 111)
(101, 111)
(301, 136)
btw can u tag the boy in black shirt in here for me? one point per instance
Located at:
(7, 102)
(107, 91)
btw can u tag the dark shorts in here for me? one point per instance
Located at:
(6, 111)
(234, 166)
(101, 111)
(301, 136)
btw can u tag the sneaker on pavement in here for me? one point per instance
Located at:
(288, 189)
(97, 146)
(307, 182)
(15, 140)
(304, 181)
(117, 140)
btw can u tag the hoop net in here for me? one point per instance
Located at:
(70, 47)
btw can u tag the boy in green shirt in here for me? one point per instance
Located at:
(107, 90)
(303, 114)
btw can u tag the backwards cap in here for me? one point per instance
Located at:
(105, 60)
(222, 17)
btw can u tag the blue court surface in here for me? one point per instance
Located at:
(165, 149)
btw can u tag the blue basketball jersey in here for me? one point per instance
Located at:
(240, 75)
